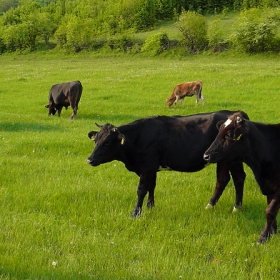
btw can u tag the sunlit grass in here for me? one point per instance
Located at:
(62, 219)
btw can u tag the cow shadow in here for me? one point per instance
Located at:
(17, 126)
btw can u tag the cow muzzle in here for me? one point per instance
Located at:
(91, 162)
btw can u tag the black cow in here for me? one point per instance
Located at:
(159, 143)
(64, 95)
(258, 145)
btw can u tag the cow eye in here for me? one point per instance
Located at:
(108, 143)
(229, 135)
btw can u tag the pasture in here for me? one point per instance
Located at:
(60, 218)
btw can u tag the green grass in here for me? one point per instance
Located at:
(63, 219)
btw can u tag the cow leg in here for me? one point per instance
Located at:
(182, 101)
(59, 110)
(176, 100)
(202, 98)
(151, 197)
(223, 177)
(238, 177)
(74, 113)
(271, 213)
(197, 99)
(146, 184)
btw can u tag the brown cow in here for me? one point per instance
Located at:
(183, 90)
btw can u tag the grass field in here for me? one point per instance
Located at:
(63, 219)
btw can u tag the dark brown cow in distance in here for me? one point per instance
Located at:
(65, 95)
(177, 143)
(183, 90)
(258, 145)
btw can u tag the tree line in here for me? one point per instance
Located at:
(73, 25)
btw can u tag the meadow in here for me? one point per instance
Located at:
(60, 218)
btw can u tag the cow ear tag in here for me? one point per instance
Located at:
(122, 141)
(238, 138)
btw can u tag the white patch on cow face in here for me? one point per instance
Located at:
(228, 122)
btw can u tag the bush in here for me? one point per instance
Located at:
(74, 33)
(156, 43)
(121, 42)
(193, 29)
(255, 31)
(215, 33)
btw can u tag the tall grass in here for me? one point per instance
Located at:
(62, 219)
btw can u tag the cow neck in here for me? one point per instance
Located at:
(259, 145)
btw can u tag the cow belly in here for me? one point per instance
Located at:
(192, 167)
(164, 168)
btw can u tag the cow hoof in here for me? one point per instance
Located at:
(137, 212)
(150, 204)
(261, 241)
(209, 206)
(236, 209)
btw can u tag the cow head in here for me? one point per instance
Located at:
(108, 142)
(231, 141)
(169, 102)
(52, 109)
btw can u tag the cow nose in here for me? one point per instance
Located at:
(89, 161)
(206, 157)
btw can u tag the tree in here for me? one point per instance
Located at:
(74, 33)
(144, 14)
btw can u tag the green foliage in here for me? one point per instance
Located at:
(215, 35)
(256, 30)
(77, 24)
(193, 28)
(144, 14)
(156, 43)
(121, 42)
(74, 33)
(25, 25)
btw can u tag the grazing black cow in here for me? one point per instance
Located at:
(64, 95)
(159, 143)
(257, 145)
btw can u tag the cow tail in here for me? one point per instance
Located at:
(200, 89)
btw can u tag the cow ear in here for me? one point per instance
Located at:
(92, 134)
(47, 106)
(219, 123)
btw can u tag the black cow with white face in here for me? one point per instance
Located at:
(177, 143)
(65, 95)
(258, 145)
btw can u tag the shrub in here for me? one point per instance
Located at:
(74, 34)
(156, 43)
(215, 35)
(193, 29)
(255, 31)
(122, 42)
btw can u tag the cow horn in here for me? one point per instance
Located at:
(238, 119)
(99, 125)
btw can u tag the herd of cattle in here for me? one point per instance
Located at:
(187, 144)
